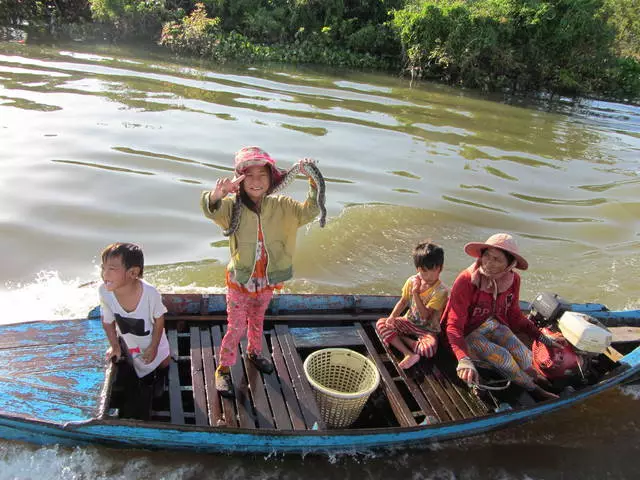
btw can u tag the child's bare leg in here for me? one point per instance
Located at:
(410, 358)
(410, 343)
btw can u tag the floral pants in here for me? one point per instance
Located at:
(496, 344)
(390, 328)
(245, 314)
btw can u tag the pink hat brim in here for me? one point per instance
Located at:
(474, 249)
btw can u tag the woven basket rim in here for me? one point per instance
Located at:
(337, 393)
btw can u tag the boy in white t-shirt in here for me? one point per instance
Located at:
(133, 310)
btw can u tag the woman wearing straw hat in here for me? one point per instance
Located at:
(483, 312)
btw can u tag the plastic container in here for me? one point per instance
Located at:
(583, 334)
(342, 381)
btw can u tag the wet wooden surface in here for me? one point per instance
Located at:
(284, 399)
(52, 371)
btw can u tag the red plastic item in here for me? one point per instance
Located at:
(555, 363)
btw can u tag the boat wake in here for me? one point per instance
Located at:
(66, 463)
(632, 389)
(51, 297)
(48, 297)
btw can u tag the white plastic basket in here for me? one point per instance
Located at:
(342, 381)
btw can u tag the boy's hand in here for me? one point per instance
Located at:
(417, 285)
(224, 186)
(149, 354)
(114, 354)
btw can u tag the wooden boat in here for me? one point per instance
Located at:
(56, 386)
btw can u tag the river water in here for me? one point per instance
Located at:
(107, 144)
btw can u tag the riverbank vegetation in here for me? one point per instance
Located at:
(574, 47)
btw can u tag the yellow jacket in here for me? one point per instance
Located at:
(280, 216)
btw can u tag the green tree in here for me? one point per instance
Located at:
(625, 18)
(558, 45)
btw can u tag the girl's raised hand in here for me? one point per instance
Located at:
(224, 186)
(303, 162)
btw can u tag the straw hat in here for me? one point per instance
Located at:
(504, 242)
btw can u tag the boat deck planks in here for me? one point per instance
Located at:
(275, 392)
(214, 404)
(52, 372)
(228, 405)
(335, 337)
(258, 393)
(307, 401)
(242, 397)
(197, 379)
(398, 405)
(175, 393)
(437, 393)
(288, 392)
(284, 399)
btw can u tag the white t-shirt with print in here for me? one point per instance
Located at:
(136, 327)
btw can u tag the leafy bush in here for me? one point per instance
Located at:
(624, 16)
(130, 18)
(558, 45)
(623, 80)
(194, 33)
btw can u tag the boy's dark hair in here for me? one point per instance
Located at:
(130, 253)
(428, 255)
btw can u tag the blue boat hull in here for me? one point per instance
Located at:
(41, 413)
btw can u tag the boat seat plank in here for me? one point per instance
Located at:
(447, 393)
(258, 393)
(228, 405)
(476, 406)
(398, 405)
(308, 404)
(214, 405)
(290, 318)
(613, 354)
(325, 337)
(445, 370)
(443, 399)
(275, 393)
(625, 334)
(290, 398)
(197, 379)
(175, 394)
(425, 398)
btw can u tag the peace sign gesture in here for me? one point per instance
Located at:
(224, 186)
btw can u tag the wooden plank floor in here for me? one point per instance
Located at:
(284, 399)
(437, 392)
